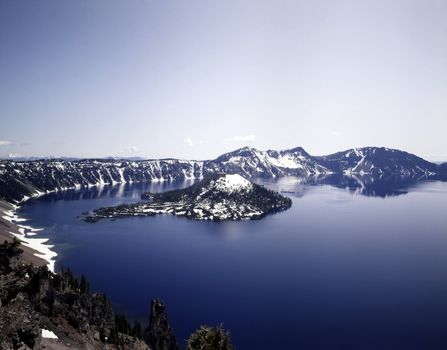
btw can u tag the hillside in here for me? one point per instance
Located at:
(217, 197)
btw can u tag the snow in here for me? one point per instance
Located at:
(48, 334)
(358, 152)
(43, 250)
(25, 232)
(232, 183)
(285, 161)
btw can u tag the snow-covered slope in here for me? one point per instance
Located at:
(376, 161)
(232, 183)
(251, 162)
(19, 180)
(216, 197)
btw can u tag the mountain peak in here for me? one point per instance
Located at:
(298, 150)
(246, 149)
(232, 183)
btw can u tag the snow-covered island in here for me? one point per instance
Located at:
(217, 197)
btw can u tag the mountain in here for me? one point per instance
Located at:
(217, 197)
(251, 162)
(20, 180)
(376, 161)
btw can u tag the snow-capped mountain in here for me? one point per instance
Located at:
(376, 161)
(251, 162)
(216, 197)
(19, 180)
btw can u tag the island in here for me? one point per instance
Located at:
(217, 197)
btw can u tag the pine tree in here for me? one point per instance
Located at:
(136, 331)
(210, 338)
(84, 285)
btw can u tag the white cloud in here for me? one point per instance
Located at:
(5, 143)
(335, 133)
(14, 155)
(130, 149)
(244, 138)
(10, 156)
(189, 142)
(250, 138)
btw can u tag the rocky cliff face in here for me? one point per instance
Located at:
(159, 334)
(39, 309)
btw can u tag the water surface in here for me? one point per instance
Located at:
(350, 266)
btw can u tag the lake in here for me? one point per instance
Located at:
(352, 265)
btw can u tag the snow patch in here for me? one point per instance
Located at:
(48, 334)
(285, 161)
(232, 183)
(43, 250)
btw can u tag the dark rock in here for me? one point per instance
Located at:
(159, 335)
(33, 298)
(10, 256)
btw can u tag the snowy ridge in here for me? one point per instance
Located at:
(21, 180)
(251, 162)
(378, 161)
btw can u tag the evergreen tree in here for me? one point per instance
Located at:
(210, 338)
(84, 285)
(122, 325)
(136, 331)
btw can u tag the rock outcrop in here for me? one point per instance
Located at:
(40, 309)
(159, 334)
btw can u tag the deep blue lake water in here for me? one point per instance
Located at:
(346, 267)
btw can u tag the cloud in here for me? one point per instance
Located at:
(14, 155)
(335, 133)
(250, 138)
(130, 149)
(245, 138)
(189, 142)
(5, 143)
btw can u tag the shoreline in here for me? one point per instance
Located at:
(35, 250)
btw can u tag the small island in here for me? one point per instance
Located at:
(217, 197)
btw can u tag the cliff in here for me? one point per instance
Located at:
(40, 309)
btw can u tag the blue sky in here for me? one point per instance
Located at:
(194, 79)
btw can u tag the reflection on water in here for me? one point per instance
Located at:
(128, 190)
(366, 185)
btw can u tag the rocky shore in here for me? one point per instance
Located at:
(10, 229)
(40, 309)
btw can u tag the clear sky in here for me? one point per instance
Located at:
(194, 79)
